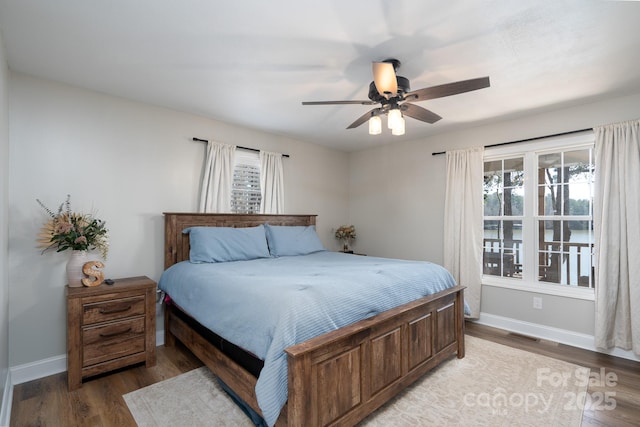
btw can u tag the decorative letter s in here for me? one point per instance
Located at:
(91, 269)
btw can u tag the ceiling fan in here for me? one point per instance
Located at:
(395, 97)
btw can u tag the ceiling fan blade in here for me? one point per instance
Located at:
(419, 113)
(384, 76)
(337, 102)
(363, 118)
(447, 89)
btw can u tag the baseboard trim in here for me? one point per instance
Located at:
(563, 336)
(7, 400)
(53, 365)
(38, 369)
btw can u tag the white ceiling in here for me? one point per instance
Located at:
(252, 62)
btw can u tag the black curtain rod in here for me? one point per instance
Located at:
(526, 140)
(237, 146)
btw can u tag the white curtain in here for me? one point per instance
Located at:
(617, 241)
(463, 222)
(217, 179)
(271, 183)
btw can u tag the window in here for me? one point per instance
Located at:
(245, 193)
(503, 215)
(538, 223)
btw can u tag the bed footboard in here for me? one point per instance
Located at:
(342, 376)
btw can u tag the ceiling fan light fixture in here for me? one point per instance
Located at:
(394, 116)
(399, 127)
(375, 125)
(384, 77)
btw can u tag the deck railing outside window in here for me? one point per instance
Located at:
(576, 268)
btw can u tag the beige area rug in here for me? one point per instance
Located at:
(493, 385)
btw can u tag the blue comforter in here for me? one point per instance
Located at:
(266, 305)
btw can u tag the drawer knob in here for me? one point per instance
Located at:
(115, 310)
(113, 334)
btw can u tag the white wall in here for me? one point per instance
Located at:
(4, 230)
(129, 162)
(397, 197)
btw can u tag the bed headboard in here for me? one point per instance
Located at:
(176, 244)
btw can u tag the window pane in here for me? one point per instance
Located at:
(514, 201)
(514, 172)
(491, 240)
(579, 199)
(493, 188)
(566, 252)
(493, 167)
(513, 186)
(580, 231)
(502, 248)
(580, 179)
(492, 202)
(580, 253)
(579, 168)
(550, 247)
(550, 200)
(512, 248)
(553, 231)
(549, 168)
(501, 263)
(511, 231)
(504, 187)
(550, 267)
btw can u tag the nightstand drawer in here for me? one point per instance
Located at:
(113, 340)
(113, 309)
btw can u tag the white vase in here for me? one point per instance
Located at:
(74, 268)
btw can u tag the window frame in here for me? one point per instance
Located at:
(529, 151)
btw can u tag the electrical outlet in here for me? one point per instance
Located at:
(537, 303)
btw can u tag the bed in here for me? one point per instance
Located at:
(337, 377)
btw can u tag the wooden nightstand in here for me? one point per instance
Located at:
(110, 327)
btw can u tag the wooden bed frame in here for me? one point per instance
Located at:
(340, 377)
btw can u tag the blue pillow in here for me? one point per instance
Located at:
(292, 240)
(220, 244)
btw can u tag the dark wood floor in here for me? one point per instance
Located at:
(46, 402)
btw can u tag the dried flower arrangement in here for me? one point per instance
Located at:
(346, 233)
(71, 230)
